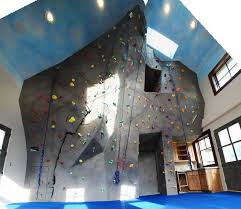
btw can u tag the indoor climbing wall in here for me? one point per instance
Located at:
(83, 117)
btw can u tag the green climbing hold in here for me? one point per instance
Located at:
(110, 162)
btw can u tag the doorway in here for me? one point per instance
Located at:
(150, 179)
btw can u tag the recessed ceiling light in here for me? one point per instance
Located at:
(167, 8)
(193, 24)
(101, 4)
(49, 16)
(145, 2)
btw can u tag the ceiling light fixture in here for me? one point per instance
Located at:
(167, 8)
(193, 24)
(101, 4)
(49, 16)
(145, 2)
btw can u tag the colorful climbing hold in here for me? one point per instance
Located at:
(110, 162)
(131, 165)
(72, 119)
(54, 97)
(131, 15)
(71, 84)
(81, 161)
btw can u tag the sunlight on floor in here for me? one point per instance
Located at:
(75, 195)
(12, 192)
(127, 192)
(146, 205)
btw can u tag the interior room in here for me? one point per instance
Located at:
(120, 104)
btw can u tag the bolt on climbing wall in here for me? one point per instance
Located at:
(83, 117)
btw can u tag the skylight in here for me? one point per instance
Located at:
(10, 6)
(161, 43)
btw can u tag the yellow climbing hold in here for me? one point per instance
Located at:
(54, 97)
(73, 79)
(73, 103)
(72, 119)
(53, 126)
(92, 66)
(71, 84)
(131, 165)
(141, 61)
(72, 145)
(81, 161)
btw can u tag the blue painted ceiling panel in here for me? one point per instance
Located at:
(197, 48)
(29, 44)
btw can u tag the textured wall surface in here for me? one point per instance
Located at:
(83, 117)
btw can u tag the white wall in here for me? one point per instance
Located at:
(220, 109)
(10, 116)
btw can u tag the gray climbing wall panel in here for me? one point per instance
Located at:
(86, 114)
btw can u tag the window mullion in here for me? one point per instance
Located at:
(228, 69)
(200, 153)
(232, 145)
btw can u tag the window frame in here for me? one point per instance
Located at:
(4, 146)
(220, 147)
(204, 135)
(212, 74)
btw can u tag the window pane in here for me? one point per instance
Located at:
(231, 63)
(222, 72)
(237, 147)
(215, 83)
(198, 152)
(224, 80)
(228, 153)
(208, 144)
(207, 157)
(235, 70)
(235, 132)
(224, 137)
(202, 144)
(2, 135)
